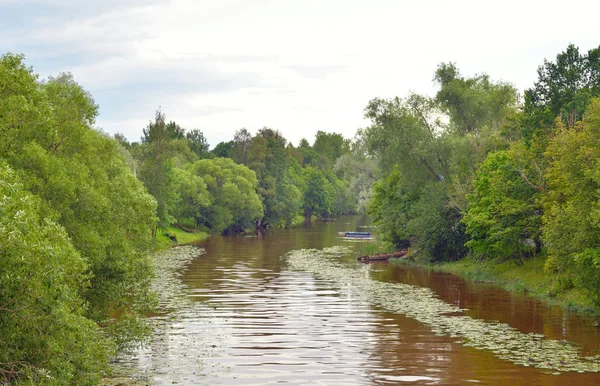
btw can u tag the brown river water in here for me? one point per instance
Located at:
(247, 319)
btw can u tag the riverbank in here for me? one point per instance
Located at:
(181, 237)
(527, 278)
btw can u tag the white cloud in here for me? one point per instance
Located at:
(296, 66)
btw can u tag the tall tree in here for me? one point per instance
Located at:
(473, 103)
(89, 197)
(235, 206)
(223, 150)
(197, 143)
(242, 141)
(156, 168)
(572, 204)
(564, 88)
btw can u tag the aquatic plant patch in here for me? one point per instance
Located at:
(422, 305)
(167, 283)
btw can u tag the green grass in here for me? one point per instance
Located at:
(182, 237)
(528, 278)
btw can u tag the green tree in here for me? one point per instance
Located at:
(192, 196)
(242, 140)
(156, 170)
(235, 206)
(266, 153)
(319, 194)
(361, 173)
(84, 185)
(223, 150)
(400, 135)
(504, 216)
(44, 334)
(572, 203)
(197, 143)
(331, 146)
(473, 103)
(564, 88)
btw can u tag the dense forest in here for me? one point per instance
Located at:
(475, 171)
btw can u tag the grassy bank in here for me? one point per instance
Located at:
(182, 236)
(527, 278)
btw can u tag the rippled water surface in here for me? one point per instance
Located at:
(246, 319)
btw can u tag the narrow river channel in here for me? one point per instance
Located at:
(248, 319)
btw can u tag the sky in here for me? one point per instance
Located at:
(291, 65)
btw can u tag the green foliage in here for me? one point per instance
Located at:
(235, 206)
(319, 194)
(473, 103)
(330, 146)
(360, 173)
(156, 170)
(197, 143)
(428, 164)
(504, 219)
(242, 140)
(44, 334)
(572, 204)
(400, 134)
(223, 150)
(84, 185)
(192, 195)
(564, 88)
(390, 209)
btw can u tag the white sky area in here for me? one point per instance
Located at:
(294, 66)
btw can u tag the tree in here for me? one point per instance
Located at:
(473, 103)
(319, 193)
(223, 150)
(267, 155)
(44, 334)
(235, 206)
(389, 208)
(361, 173)
(197, 143)
(156, 168)
(504, 216)
(242, 141)
(564, 88)
(401, 135)
(571, 228)
(168, 131)
(331, 146)
(192, 196)
(83, 185)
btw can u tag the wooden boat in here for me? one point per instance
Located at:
(382, 256)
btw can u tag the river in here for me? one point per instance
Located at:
(248, 319)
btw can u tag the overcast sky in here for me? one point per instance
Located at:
(295, 66)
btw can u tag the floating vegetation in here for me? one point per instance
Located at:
(167, 282)
(422, 305)
(170, 342)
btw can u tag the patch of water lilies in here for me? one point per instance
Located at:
(171, 344)
(167, 283)
(422, 305)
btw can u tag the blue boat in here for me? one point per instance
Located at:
(358, 235)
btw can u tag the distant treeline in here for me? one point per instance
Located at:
(252, 181)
